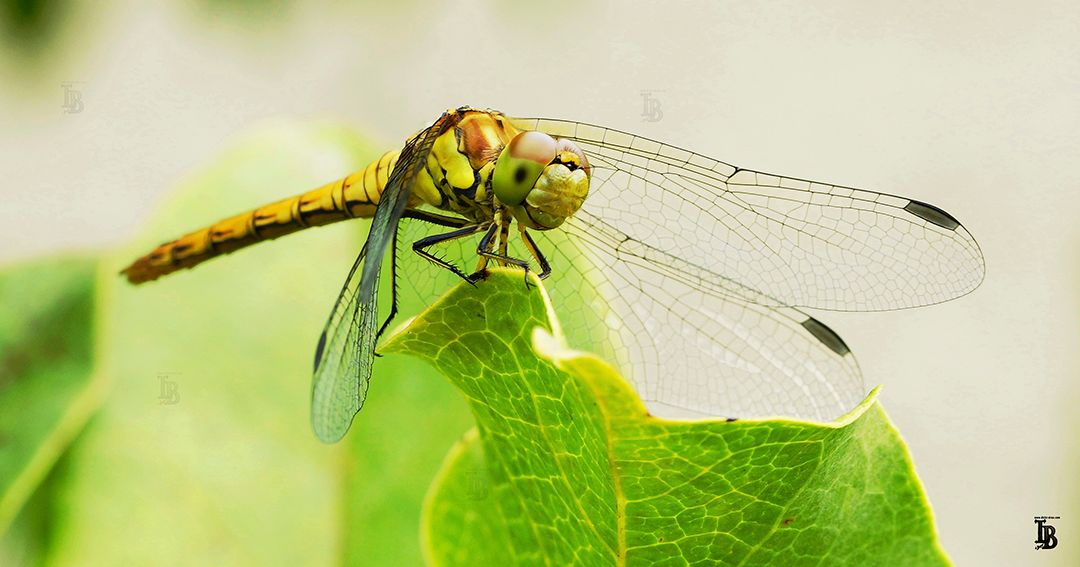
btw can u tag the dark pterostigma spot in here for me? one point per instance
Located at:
(827, 336)
(932, 214)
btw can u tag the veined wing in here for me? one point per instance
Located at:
(703, 262)
(694, 354)
(346, 349)
(771, 239)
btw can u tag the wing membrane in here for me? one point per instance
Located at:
(693, 354)
(346, 349)
(702, 265)
(775, 240)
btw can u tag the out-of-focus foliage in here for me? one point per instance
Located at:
(568, 468)
(202, 452)
(38, 33)
(29, 25)
(47, 388)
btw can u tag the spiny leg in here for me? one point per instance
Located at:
(483, 250)
(435, 218)
(426, 216)
(393, 290)
(545, 267)
(421, 245)
(487, 244)
(502, 257)
(504, 240)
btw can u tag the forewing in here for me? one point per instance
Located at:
(772, 240)
(346, 350)
(698, 264)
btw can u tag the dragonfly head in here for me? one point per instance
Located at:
(542, 180)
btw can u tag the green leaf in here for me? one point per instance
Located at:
(47, 386)
(569, 468)
(228, 471)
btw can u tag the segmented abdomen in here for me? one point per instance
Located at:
(354, 196)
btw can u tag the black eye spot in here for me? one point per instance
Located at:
(519, 175)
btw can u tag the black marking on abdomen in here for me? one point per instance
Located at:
(350, 203)
(826, 336)
(932, 214)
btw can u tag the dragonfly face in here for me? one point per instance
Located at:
(543, 181)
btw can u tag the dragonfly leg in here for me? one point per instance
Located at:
(545, 267)
(393, 290)
(483, 250)
(421, 245)
(447, 221)
(426, 216)
(504, 241)
(487, 244)
(501, 256)
(435, 218)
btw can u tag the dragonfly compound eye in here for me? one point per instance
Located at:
(520, 165)
(559, 191)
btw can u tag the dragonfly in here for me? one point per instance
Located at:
(690, 274)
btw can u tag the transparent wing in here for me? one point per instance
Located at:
(770, 239)
(694, 267)
(346, 348)
(694, 354)
(342, 370)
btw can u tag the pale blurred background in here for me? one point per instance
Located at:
(971, 106)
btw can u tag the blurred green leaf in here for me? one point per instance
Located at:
(46, 362)
(569, 468)
(30, 25)
(227, 471)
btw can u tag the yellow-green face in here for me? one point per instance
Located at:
(542, 180)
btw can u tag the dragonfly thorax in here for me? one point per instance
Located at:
(540, 179)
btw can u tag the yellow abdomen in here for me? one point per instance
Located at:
(454, 180)
(354, 196)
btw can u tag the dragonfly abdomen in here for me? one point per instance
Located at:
(354, 196)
